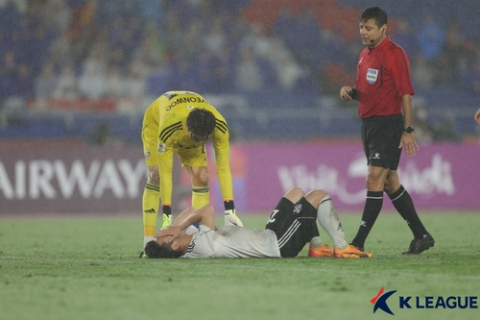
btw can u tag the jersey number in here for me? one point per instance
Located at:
(272, 219)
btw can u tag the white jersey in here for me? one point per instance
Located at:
(232, 242)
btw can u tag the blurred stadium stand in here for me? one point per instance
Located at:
(87, 69)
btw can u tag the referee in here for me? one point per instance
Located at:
(384, 91)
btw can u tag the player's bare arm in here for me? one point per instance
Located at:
(153, 175)
(204, 216)
(165, 166)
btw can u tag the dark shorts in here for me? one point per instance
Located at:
(294, 224)
(381, 137)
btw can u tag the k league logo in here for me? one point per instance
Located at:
(380, 301)
(423, 302)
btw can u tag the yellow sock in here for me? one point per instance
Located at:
(150, 204)
(200, 197)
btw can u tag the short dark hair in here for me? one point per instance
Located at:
(201, 123)
(154, 250)
(375, 13)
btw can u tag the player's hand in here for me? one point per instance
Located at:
(170, 231)
(345, 93)
(477, 116)
(410, 143)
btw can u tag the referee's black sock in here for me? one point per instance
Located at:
(403, 203)
(372, 208)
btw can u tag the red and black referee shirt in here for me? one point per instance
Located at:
(383, 77)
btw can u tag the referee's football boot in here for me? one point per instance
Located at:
(321, 252)
(417, 246)
(143, 255)
(352, 252)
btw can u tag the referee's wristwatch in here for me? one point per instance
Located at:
(409, 129)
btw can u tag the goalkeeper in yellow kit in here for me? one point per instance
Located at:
(182, 122)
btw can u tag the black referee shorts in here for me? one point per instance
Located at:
(381, 137)
(294, 224)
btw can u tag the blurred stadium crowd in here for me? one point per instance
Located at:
(81, 60)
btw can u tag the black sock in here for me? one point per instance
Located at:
(403, 203)
(167, 210)
(372, 208)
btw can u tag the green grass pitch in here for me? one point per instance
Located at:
(87, 268)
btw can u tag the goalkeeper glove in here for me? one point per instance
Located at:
(167, 216)
(231, 218)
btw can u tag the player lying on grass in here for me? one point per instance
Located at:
(290, 227)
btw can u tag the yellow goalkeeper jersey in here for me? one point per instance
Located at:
(168, 115)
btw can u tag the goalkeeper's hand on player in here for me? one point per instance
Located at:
(231, 218)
